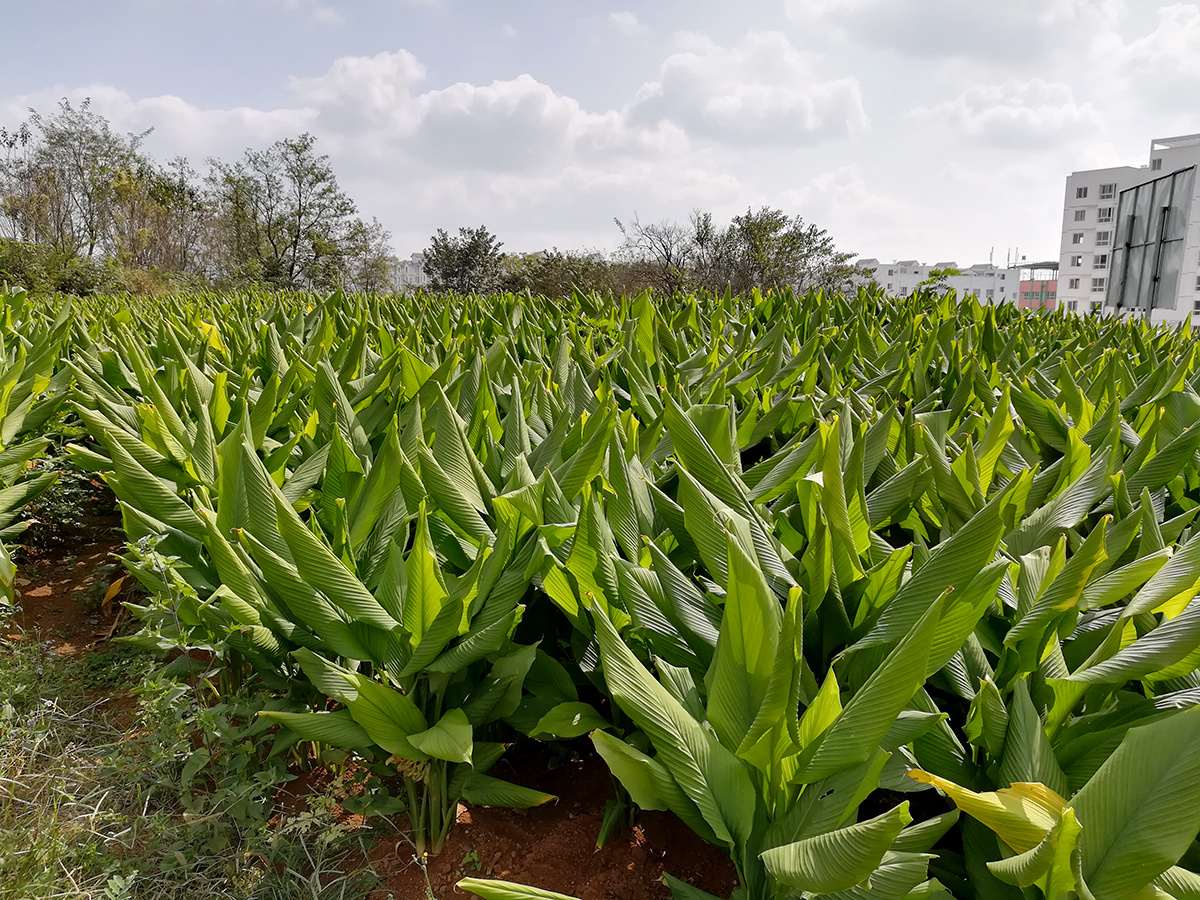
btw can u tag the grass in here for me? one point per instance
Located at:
(94, 803)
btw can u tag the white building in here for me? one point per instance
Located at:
(410, 273)
(985, 282)
(1131, 236)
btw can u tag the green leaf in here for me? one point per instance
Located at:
(449, 739)
(837, 860)
(855, 735)
(681, 890)
(746, 648)
(507, 890)
(709, 773)
(337, 728)
(569, 720)
(955, 561)
(1047, 865)
(318, 566)
(1139, 812)
(484, 790)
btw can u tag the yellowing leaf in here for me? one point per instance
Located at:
(1021, 815)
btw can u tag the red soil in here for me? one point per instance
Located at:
(554, 846)
(50, 589)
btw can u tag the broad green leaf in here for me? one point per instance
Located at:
(837, 860)
(1138, 811)
(714, 779)
(484, 790)
(855, 735)
(450, 738)
(337, 728)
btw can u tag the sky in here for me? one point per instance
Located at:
(937, 130)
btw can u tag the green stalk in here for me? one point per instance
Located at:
(449, 808)
(415, 816)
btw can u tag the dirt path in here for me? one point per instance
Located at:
(61, 597)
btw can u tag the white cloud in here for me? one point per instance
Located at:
(760, 89)
(516, 124)
(627, 23)
(842, 202)
(508, 31)
(1016, 114)
(358, 92)
(1162, 66)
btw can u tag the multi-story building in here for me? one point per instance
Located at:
(1038, 285)
(1131, 236)
(410, 273)
(984, 281)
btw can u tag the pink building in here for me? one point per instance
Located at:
(1039, 285)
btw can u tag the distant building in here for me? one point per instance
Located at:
(410, 273)
(1131, 236)
(1038, 285)
(984, 281)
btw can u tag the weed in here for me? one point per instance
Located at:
(469, 863)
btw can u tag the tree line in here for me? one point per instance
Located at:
(84, 208)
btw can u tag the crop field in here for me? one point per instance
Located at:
(879, 597)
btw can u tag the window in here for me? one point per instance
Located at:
(1073, 305)
(1104, 214)
(1198, 282)
(1196, 306)
(1080, 193)
(1077, 259)
(1077, 237)
(991, 293)
(1098, 285)
(1156, 164)
(1001, 276)
(891, 271)
(1100, 261)
(1051, 294)
(1080, 215)
(1108, 191)
(889, 285)
(1073, 284)
(1103, 238)
(1148, 242)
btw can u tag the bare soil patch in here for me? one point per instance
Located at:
(554, 846)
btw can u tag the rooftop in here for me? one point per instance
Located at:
(1172, 143)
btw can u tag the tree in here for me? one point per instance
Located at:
(662, 253)
(467, 264)
(159, 217)
(285, 220)
(939, 279)
(370, 264)
(555, 273)
(58, 179)
(765, 249)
